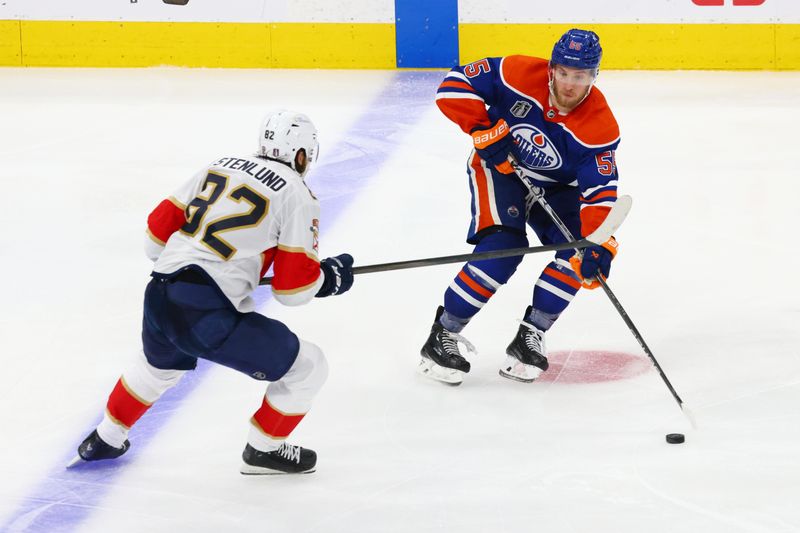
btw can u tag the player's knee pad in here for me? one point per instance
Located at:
(149, 382)
(295, 391)
(310, 369)
(498, 270)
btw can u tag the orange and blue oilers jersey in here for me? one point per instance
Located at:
(552, 149)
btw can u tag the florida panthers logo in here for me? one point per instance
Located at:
(535, 150)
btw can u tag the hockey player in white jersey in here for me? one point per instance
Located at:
(212, 241)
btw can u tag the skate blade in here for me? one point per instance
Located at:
(250, 470)
(448, 376)
(520, 372)
(76, 460)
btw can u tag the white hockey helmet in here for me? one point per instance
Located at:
(283, 134)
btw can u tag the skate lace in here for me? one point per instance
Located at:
(450, 342)
(290, 452)
(533, 337)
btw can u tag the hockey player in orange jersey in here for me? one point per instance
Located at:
(534, 124)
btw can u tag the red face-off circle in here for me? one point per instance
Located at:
(593, 366)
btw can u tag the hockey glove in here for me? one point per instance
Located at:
(494, 145)
(594, 260)
(338, 272)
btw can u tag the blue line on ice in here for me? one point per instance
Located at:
(65, 498)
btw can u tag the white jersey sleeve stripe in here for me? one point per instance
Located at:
(458, 76)
(467, 96)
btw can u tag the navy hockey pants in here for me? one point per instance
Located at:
(186, 317)
(498, 203)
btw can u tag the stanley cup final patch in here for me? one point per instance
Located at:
(520, 108)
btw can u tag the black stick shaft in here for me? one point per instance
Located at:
(447, 259)
(638, 336)
(617, 305)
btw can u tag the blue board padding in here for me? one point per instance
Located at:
(426, 33)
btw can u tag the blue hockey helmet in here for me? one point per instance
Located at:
(578, 49)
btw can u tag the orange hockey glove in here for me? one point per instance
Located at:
(494, 145)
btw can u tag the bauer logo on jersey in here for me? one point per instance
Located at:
(521, 108)
(535, 150)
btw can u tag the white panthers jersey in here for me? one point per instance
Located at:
(234, 219)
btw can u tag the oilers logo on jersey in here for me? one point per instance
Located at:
(535, 151)
(573, 149)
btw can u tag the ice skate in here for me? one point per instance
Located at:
(287, 459)
(93, 448)
(441, 358)
(527, 354)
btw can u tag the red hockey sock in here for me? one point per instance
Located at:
(124, 406)
(275, 423)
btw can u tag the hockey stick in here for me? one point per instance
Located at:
(612, 222)
(539, 198)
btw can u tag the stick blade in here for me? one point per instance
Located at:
(689, 414)
(613, 221)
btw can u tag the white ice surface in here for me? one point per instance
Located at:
(707, 269)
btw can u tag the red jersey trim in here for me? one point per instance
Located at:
(155, 239)
(295, 269)
(297, 250)
(165, 220)
(266, 260)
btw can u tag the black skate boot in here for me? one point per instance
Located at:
(441, 359)
(527, 353)
(93, 448)
(287, 459)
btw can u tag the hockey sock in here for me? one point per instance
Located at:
(477, 281)
(554, 290)
(273, 426)
(288, 400)
(136, 390)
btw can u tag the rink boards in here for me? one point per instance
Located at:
(386, 34)
(372, 45)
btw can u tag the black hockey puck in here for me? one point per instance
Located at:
(675, 438)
